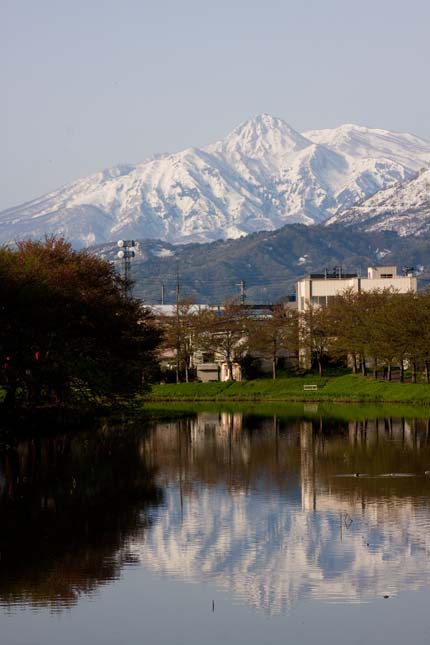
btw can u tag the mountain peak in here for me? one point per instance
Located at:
(263, 123)
(262, 135)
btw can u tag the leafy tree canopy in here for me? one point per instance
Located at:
(66, 329)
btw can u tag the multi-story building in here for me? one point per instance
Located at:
(320, 288)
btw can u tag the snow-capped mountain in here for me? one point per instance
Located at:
(404, 208)
(263, 175)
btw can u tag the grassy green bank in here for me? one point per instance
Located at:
(166, 410)
(347, 388)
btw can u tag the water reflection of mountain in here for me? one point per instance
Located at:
(259, 508)
(254, 504)
(68, 506)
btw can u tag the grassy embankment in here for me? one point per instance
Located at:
(347, 388)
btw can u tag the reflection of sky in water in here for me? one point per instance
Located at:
(267, 512)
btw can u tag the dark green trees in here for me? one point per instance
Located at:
(66, 330)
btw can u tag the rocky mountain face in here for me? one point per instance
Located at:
(404, 208)
(263, 175)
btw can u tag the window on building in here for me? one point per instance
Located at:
(319, 300)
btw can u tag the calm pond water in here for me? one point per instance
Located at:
(218, 527)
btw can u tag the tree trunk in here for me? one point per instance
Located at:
(414, 372)
(274, 358)
(320, 367)
(375, 367)
(389, 372)
(186, 372)
(427, 371)
(354, 363)
(363, 365)
(177, 367)
(402, 372)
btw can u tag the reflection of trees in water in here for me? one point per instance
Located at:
(68, 507)
(373, 453)
(234, 450)
(241, 451)
(305, 458)
(73, 509)
(273, 523)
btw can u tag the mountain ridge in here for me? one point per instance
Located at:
(263, 175)
(404, 208)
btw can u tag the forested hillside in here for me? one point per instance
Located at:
(268, 262)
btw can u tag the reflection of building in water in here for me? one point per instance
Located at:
(253, 504)
(222, 425)
(344, 539)
(307, 466)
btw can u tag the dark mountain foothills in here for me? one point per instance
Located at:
(268, 262)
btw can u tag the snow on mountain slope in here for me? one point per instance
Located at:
(375, 159)
(263, 175)
(360, 142)
(404, 208)
(259, 147)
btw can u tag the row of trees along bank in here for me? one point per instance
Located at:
(381, 329)
(67, 331)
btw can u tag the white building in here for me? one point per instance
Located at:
(320, 288)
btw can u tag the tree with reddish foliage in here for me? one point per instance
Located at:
(66, 330)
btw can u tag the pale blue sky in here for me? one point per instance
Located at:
(90, 83)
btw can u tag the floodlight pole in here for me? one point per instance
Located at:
(125, 254)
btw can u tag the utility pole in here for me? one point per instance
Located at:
(163, 293)
(178, 339)
(177, 284)
(241, 284)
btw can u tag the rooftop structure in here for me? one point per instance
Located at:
(320, 288)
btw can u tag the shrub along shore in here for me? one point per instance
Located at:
(348, 388)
